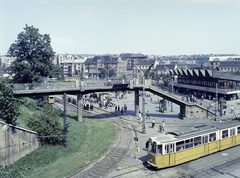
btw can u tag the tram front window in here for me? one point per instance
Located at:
(153, 147)
(160, 149)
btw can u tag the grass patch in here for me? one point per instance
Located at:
(87, 141)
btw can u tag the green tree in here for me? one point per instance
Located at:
(9, 110)
(34, 56)
(47, 125)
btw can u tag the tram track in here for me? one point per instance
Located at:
(120, 149)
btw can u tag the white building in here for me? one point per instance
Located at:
(6, 61)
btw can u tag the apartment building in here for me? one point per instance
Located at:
(6, 61)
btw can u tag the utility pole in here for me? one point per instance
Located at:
(216, 102)
(143, 102)
(65, 122)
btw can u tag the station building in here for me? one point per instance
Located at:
(208, 83)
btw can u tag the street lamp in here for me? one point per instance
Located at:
(143, 102)
(216, 103)
(110, 69)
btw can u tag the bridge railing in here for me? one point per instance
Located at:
(67, 85)
(43, 86)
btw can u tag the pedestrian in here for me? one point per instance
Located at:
(153, 123)
(160, 127)
(148, 116)
(163, 125)
(232, 109)
(122, 110)
(140, 117)
(125, 107)
(118, 108)
(147, 144)
(211, 105)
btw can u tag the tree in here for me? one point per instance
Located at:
(34, 56)
(47, 125)
(9, 110)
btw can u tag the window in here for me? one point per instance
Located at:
(224, 133)
(212, 137)
(238, 130)
(169, 148)
(232, 132)
(166, 149)
(197, 141)
(189, 143)
(160, 149)
(205, 139)
(179, 146)
(153, 147)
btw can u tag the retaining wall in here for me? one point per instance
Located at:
(15, 143)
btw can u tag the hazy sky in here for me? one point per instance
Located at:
(161, 27)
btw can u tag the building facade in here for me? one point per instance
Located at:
(209, 83)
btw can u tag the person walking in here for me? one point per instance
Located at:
(125, 107)
(163, 126)
(147, 144)
(160, 127)
(232, 109)
(140, 117)
(148, 116)
(153, 123)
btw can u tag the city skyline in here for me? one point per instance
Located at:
(160, 27)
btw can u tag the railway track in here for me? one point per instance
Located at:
(121, 148)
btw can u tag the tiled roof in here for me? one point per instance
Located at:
(230, 64)
(132, 55)
(105, 59)
(146, 62)
(225, 75)
(164, 66)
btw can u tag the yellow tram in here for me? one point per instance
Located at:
(50, 99)
(178, 147)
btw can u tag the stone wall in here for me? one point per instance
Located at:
(195, 112)
(15, 143)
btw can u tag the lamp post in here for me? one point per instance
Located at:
(216, 103)
(143, 102)
(110, 69)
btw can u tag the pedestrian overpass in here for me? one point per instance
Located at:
(187, 110)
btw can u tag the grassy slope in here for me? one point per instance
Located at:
(87, 141)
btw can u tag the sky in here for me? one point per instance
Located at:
(160, 27)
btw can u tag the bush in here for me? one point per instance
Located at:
(47, 125)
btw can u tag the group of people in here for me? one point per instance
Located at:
(161, 126)
(123, 108)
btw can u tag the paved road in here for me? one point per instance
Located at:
(221, 164)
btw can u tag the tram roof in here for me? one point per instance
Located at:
(194, 132)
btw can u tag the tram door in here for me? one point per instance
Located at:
(169, 149)
(206, 145)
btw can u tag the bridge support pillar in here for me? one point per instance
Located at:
(79, 107)
(183, 110)
(136, 102)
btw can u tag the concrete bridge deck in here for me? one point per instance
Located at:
(187, 110)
